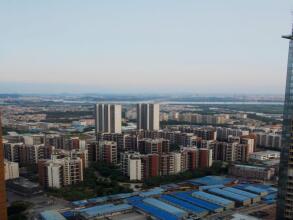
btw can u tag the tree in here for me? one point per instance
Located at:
(16, 211)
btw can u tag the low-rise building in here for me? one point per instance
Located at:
(254, 172)
(264, 155)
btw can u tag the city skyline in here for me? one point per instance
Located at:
(195, 47)
(164, 109)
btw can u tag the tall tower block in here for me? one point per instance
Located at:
(148, 116)
(3, 204)
(285, 194)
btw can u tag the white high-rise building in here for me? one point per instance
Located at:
(108, 118)
(148, 116)
(177, 162)
(131, 165)
(134, 168)
(56, 173)
(11, 170)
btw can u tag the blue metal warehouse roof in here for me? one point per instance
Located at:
(98, 199)
(154, 211)
(80, 203)
(122, 196)
(268, 188)
(229, 195)
(198, 202)
(103, 210)
(95, 210)
(269, 202)
(184, 205)
(210, 197)
(51, 215)
(134, 199)
(241, 192)
(210, 187)
(152, 192)
(251, 188)
(166, 207)
(212, 180)
(68, 214)
(101, 199)
(272, 196)
(169, 186)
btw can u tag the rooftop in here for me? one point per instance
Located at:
(241, 192)
(211, 180)
(101, 210)
(216, 199)
(25, 183)
(51, 215)
(251, 167)
(164, 206)
(266, 152)
(230, 195)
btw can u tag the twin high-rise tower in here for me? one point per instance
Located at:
(285, 194)
(108, 117)
(148, 116)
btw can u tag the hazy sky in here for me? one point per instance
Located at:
(201, 46)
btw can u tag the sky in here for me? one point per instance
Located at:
(144, 46)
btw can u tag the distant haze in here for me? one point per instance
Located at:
(150, 46)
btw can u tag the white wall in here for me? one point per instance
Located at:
(11, 170)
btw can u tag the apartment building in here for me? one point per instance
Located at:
(131, 165)
(234, 151)
(269, 140)
(107, 152)
(26, 154)
(56, 173)
(148, 116)
(64, 142)
(150, 146)
(11, 170)
(108, 118)
(82, 154)
(193, 158)
(223, 133)
(150, 165)
(119, 138)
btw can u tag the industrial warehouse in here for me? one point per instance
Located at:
(192, 199)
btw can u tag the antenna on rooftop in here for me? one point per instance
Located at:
(290, 37)
(292, 20)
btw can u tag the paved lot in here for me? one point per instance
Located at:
(40, 203)
(242, 210)
(129, 216)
